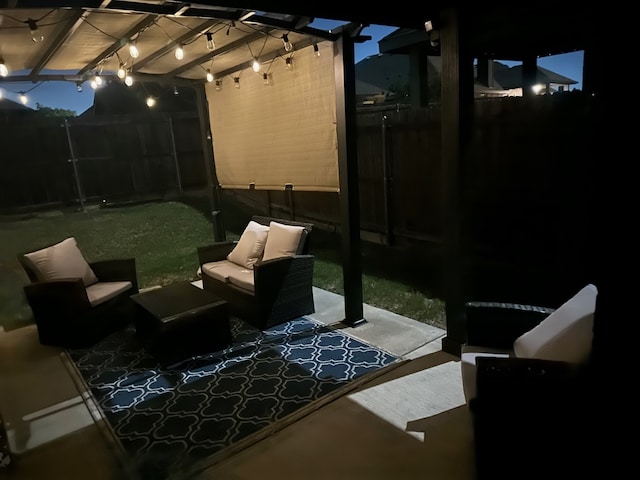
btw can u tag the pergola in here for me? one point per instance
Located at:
(86, 38)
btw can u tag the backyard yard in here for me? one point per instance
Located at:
(163, 237)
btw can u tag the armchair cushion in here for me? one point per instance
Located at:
(250, 246)
(103, 291)
(60, 261)
(565, 335)
(282, 241)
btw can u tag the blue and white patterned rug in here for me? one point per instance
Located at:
(172, 422)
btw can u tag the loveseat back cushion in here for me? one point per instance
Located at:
(566, 334)
(102, 291)
(282, 241)
(60, 261)
(250, 246)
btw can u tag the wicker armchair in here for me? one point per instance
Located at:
(268, 292)
(69, 313)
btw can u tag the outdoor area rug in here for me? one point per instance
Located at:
(171, 422)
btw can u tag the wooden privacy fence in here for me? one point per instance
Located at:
(112, 158)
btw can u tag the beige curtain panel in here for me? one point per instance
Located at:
(268, 136)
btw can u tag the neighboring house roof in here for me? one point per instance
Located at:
(511, 77)
(6, 104)
(383, 71)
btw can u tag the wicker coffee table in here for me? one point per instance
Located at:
(180, 321)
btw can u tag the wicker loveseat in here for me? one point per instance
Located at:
(267, 275)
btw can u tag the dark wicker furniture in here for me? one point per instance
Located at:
(180, 321)
(283, 287)
(62, 311)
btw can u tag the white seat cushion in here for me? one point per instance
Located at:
(60, 261)
(283, 240)
(250, 246)
(565, 335)
(102, 291)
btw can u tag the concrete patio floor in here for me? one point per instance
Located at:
(408, 423)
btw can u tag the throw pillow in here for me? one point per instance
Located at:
(283, 240)
(250, 246)
(566, 334)
(62, 260)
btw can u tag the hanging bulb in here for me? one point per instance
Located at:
(4, 71)
(265, 79)
(179, 53)
(122, 72)
(209, 76)
(151, 101)
(133, 50)
(233, 24)
(288, 63)
(128, 80)
(255, 65)
(218, 85)
(175, 90)
(0, 94)
(98, 80)
(79, 86)
(23, 98)
(211, 45)
(36, 36)
(236, 82)
(316, 50)
(288, 46)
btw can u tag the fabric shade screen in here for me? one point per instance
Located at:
(279, 134)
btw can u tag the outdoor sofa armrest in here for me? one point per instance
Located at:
(497, 324)
(215, 252)
(283, 275)
(57, 298)
(116, 270)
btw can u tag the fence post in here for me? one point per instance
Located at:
(74, 162)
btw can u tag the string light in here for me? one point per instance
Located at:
(211, 45)
(79, 86)
(23, 98)
(151, 102)
(236, 82)
(33, 28)
(316, 50)
(128, 80)
(288, 63)
(4, 71)
(179, 52)
(218, 84)
(175, 90)
(133, 50)
(288, 46)
(122, 72)
(209, 76)
(255, 65)
(265, 78)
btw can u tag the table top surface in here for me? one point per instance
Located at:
(175, 299)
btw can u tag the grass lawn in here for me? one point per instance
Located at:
(163, 238)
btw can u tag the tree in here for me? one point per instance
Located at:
(55, 112)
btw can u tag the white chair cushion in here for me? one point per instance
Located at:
(102, 291)
(283, 240)
(60, 261)
(566, 334)
(250, 246)
(220, 270)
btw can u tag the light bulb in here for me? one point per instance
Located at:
(265, 79)
(79, 86)
(93, 84)
(175, 90)
(36, 36)
(209, 76)
(23, 98)
(98, 80)
(316, 51)
(128, 80)
(122, 72)
(218, 85)
(179, 53)
(1, 94)
(133, 50)
(151, 102)
(288, 46)
(236, 82)
(4, 71)
(288, 63)
(255, 65)
(211, 45)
